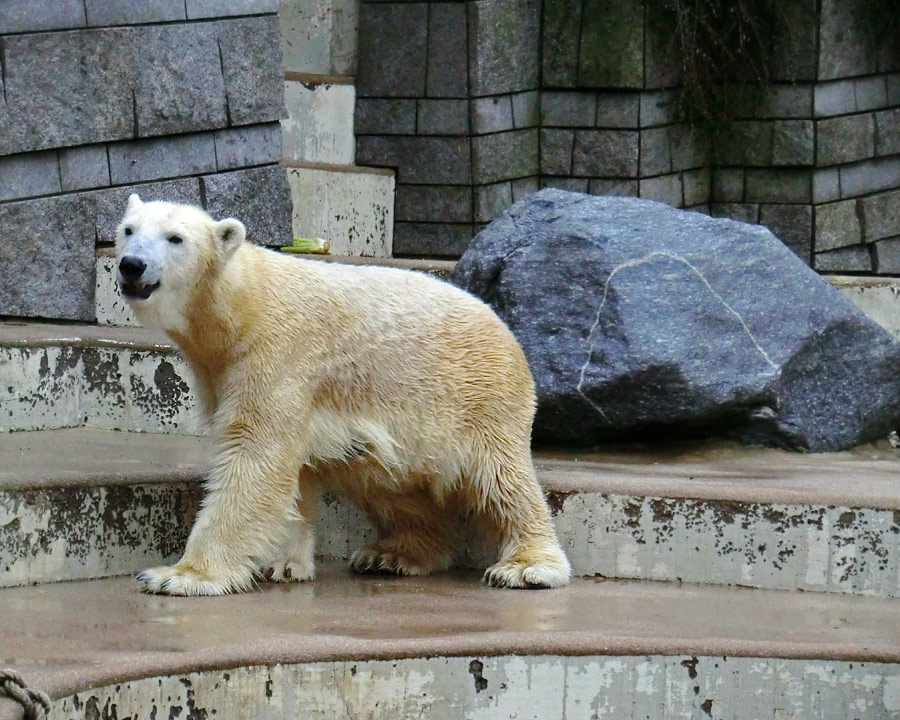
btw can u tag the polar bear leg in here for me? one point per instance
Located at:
(530, 554)
(245, 517)
(418, 534)
(295, 562)
(411, 552)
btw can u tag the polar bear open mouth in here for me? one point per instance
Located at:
(138, 289)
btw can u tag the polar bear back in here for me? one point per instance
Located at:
(413, 367)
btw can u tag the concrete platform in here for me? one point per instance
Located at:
(22, 334)
(83, 503)
(866, 477)
(877, 297)
(69, 637)
(57, 376)
(112, 309)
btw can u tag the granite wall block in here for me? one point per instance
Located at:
(47, 263)
(447, 65)
(259, 197)
(392, 49)
(504, 37)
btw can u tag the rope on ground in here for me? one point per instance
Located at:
(36, 704)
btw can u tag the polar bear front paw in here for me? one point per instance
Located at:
(523, 575)
(285, 571)
(172, 580)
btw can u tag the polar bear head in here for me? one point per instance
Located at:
(164, 251)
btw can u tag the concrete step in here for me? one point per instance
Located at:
(112, 309)
(350, 206)
(447, 647)
(125, 378)
(878, 297)
(86, 503)
(319, 123)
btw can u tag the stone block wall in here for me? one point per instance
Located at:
(763, 163)
(176, 101)
(611, 142)
(856, 181)
(814, 155)
(476, 102)
(608, 110)
(447, 95)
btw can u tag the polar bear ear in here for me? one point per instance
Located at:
(230, 233)
(134, 202)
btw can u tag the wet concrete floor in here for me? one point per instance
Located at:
(68, 636)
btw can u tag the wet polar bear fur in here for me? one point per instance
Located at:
(400, 392)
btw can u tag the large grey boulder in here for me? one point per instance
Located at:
(638, 319)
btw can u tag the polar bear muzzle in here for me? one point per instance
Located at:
(131, 269)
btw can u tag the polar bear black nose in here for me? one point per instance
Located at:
(132, 267)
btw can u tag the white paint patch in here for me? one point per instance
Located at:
(817, 554)
(891, 693)
(626, 560)
(319, 123)
(353, 211)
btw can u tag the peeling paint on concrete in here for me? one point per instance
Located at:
(537, 687)
(110, 307)
(136, 390)
(69, 533)
(159, 394)
(758, 545)
(354, 211)
(149, 393)
(39, 388)
(822, 549)
(44, 388)
(319, 123)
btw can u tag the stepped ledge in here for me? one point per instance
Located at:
(118, 634)
(867, 477)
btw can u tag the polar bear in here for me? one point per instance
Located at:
(401, 392)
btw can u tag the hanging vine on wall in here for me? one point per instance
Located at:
(724, 48)
(884, 23)
(728, 49)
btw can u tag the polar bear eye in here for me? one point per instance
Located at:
(128, 231)
(174, 239)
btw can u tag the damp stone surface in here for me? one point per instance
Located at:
(537, 687)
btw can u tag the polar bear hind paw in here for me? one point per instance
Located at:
(376, 560)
